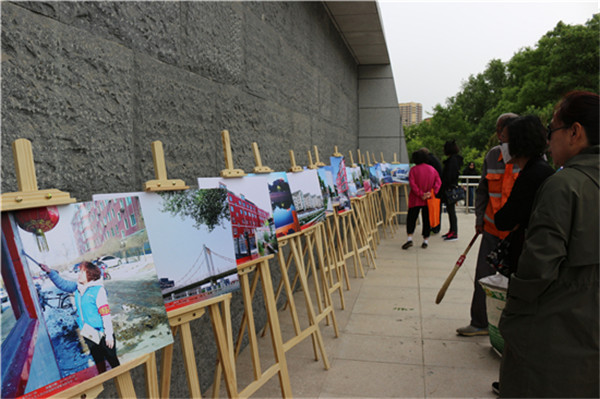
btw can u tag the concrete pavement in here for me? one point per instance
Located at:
(394, 341)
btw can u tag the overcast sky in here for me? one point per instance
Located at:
(435, 46)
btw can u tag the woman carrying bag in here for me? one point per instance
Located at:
(423, 180)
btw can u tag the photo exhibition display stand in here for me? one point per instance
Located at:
(28, 197)
(180, 318)
(294, 242)
(260, 268)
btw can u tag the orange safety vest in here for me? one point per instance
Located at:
(500, 184)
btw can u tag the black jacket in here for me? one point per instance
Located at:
(517, 209)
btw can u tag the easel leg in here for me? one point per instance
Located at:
(187, 348)
(124, 385)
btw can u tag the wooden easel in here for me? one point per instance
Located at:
(313, 330)
(363, 230)
(260, 267)
(328, 262)
(29, 196)
(180, 318)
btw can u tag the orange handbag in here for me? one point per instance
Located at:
(433, 205)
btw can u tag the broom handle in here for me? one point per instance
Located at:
(457, 266)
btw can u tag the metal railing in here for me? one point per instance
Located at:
(469, 183)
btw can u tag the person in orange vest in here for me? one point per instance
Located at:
(497, 179)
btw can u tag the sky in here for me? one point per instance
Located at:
(435, 46)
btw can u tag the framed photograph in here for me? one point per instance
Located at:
(307, 197)
(80, 294)
(252, 224)
(192, 243)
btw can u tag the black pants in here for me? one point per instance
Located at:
(411, 220)
(451, 209)
(100, 352)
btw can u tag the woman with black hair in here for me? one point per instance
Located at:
(526, 145)
(450, 174)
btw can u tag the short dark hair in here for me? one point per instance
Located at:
(526, 137)
(450, 147)
(418, 157)
(583, 107)
(92, 272)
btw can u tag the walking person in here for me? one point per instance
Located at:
(550, 322)
(422, 179)
(450, 174)
(93, 313)
(497, 180)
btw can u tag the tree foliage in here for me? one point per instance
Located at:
(531, 82)
(205, 207)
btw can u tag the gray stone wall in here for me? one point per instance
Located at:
(93, 84)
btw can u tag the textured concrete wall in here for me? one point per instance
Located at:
(93, 84)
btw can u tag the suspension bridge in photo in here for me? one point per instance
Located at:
(203, 270)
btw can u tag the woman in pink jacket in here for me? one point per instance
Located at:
(422, 179)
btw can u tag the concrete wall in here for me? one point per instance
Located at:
(93, 84)
(380, 128)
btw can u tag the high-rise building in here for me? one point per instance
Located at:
(411, 113)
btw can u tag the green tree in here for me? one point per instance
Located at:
(531, 82)
(205, 207)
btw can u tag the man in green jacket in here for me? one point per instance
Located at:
(550, 322)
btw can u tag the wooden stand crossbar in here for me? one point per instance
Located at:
(180, 319)
(123, 382)
(260, 267)
(28, 195)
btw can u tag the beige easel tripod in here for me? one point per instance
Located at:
(30, 197)
(260, 268)
(313, 330)
(180, 319)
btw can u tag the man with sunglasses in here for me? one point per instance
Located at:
(550, 324)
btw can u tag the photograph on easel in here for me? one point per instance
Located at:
(252, 224)
(355, 183)
(327, 188)
(340, 184)
(365, 177)
(191, 239)
(307, 197)
(376, 176)
(399, 172)
(82, 292)
(285, 215)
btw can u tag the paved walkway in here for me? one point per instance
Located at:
(394, 341)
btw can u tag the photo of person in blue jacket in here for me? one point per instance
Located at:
(93, 312)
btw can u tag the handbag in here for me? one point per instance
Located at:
(499, 257)
(91, 333)
(433, 206)
(454, 194)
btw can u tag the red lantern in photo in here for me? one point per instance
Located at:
(38, 221)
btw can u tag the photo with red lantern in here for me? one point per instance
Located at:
(80, 295)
